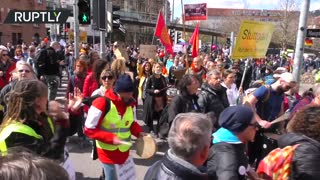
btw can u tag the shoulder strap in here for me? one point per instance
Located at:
(108, 104)
(267, 96)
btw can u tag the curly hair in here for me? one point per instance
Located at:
(307, 122)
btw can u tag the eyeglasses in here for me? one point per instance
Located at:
(24, 70)
(105, 77)
(5, 55)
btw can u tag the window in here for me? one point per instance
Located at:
(36, 25)
(39, 1)
(1, 10)
(14, 38)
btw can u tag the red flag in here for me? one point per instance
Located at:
(162, 33)
(194, 40)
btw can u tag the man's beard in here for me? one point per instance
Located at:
(127, 102)
(280, 90)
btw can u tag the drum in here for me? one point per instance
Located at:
(171, 93)
(269, 142)
(146, 147)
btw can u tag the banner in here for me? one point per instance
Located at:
(126, 171)
(195, 12)
(178, 47)
(253, 40)
(83, 36)
(148, 51)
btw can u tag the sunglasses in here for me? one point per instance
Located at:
(105, 77)
(24, 70)
(4, 54)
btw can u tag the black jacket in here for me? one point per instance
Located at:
(47, 62)
(225, 160)
(182, 104)
(170, 169)
(52, 144)
(306, 160)
(213, 100)
(153, 83)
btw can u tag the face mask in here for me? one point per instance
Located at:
(157, 73)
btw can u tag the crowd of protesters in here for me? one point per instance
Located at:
(217, 114)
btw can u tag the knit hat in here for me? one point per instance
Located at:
(236, 118)
(123, 84)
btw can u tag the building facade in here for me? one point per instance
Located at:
(228, 19)
(146, 9)
(18, 33)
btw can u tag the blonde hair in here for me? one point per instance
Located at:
(118, 66)
(155, 64)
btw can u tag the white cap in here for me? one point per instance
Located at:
(288, 77)
(282, 69)
(3, 48)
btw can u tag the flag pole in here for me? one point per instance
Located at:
(184, 35)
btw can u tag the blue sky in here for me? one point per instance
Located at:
(250, 4)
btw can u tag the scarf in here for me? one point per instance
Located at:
(224, 135)
(277, 163)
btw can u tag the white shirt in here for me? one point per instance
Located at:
(232, 94)
(101, 91)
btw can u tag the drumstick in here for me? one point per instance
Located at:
(164, 88)
(126, 143)
(281, 118)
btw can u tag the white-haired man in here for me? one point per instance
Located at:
(189, 142)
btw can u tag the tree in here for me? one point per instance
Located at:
(286, 31)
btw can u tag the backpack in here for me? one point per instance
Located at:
(264, 99)
(277, 164)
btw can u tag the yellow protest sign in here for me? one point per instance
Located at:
(83, 36)
(253, 40)
(71, 34)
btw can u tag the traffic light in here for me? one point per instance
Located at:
(61, 29)
(115, 17)
(84, 12)
(228, 41)
(172, 34)
(178, 37)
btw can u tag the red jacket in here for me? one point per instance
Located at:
(89, 86)
(94, 119)
(5, 79)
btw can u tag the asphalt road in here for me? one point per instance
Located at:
(87, 169)
(80, 153)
